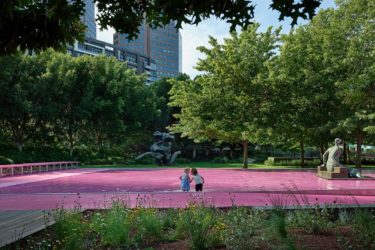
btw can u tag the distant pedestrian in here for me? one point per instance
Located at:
(185, 180)
(198, 179)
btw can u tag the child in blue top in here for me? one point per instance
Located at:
(185, 180)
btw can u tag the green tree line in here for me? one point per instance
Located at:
(300, 89)
(54, 99)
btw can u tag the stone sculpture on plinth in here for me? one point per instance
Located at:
(332, 168)
(161, 149)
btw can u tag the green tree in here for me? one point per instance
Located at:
(228, 101)
(26, 98)
(75, 99)
(161, 89)
(110, 80)
(36, 25)
(306, 103)
(39, 24)
(349, 48)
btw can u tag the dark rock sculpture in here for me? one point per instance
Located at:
(161, 149)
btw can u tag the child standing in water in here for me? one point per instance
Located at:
(199, 180)
(185, 180)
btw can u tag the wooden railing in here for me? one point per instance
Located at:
(36, 167)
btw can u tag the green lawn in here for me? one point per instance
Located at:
(201, 165)
(191, 165)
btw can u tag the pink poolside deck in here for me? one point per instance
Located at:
(96, 188)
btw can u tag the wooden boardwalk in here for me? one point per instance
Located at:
(15, 225)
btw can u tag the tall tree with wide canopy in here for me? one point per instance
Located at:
(26, 97)
(40, 24)
(326, 69)
(349, 46)
(226, 103)
(307, 106)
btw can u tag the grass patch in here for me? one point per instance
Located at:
(192, 165)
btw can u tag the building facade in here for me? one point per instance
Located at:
(163, 45)
(88, 19)
(137, 61)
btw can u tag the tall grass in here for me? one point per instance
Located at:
(114, 226)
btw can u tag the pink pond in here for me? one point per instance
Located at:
(97, 188)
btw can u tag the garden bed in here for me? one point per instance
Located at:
(198, 227)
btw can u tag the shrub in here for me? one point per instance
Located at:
(242, 229)
(220, 160)
(182, 160)
(269, 162)
(145, 160)
(114, 226)
(362, 236)
(277, 228)
(259, 157)
(149, 225)
(198, 224)
(69, 229)
(4, 160)
(313, 221)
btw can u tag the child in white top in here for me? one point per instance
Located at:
(199, 180)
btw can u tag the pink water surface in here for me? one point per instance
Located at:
(160, 188)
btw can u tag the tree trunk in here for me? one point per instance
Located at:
(345, 154)
(194, 152)
(245, 153)
(321, 152)
(358, 154)
(302, 147)
(71, 145)
(19, 146)
(348, 150)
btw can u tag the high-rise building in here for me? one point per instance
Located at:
(88, 19)
(163, 45)
(140, 63)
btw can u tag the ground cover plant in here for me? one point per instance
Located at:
(201, 227)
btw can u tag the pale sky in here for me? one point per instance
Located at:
(194, 36)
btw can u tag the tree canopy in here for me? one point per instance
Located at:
(318, 86)
(72, 101)
(226, 101)
(39, 24)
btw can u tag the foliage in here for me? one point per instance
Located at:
(272, 161)
(313, 221)
(206, 228)
(242, 228)
(69, 229)
(220, 160)
(38, 25)
(228, 101)
(277, 226)
(59, 101)
(182, 160)
(114, 227)
(161, 89)
(26, 97)
(149, 225)
(201, 226)
(363, 230)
